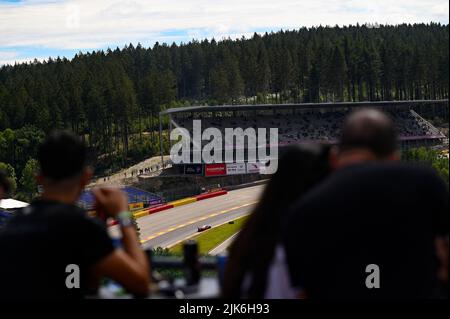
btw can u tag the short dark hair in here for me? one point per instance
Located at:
(5, 182)
(62, 156)
(369, 129)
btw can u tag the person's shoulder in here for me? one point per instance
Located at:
(414, 168)
(57, 207)
(384, 170)
(52, 212)
(409, 171)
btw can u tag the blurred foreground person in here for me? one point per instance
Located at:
(46, 243)
(376, 228)
(254, 249)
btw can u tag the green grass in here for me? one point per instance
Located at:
(213, 237)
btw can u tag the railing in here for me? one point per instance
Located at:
(192, 285)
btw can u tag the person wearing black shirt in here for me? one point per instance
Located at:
(376, 228)
(49, 242)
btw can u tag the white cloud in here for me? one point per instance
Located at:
(8, 55)
(87, 24)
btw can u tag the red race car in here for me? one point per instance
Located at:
(203, 228)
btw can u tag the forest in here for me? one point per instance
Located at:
(112, 97)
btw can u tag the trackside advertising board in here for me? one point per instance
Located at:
(193, 169)
(235, 168)
(253, 168)
(218, 169)
(135, 206)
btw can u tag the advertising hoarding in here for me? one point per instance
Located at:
(218, 169)
(236, 168)
(253, 168)
(193, 169)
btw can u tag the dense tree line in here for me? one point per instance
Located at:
(429, 157)
(112, 98)
(17, 149)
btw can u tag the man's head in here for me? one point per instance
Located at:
(367, 135)
(64, 173)
(5, 184)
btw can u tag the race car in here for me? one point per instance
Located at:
(203, 228)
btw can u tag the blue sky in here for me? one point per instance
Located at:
(41, 28)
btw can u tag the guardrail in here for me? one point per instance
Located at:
(192, 266)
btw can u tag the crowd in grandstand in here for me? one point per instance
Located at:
(312, 125)
(149, 167)
(327, 215)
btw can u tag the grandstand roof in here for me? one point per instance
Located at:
(248, 107)
(10, 203)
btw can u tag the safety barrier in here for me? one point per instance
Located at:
(183, 201)
(160, 208)
(210, 195)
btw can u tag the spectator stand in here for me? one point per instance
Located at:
(137, 199)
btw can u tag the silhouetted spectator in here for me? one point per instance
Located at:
(252, 252)
(373, 221)
(41, 240)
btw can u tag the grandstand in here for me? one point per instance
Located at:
(313, 126)
(310, 122)
(137, 198)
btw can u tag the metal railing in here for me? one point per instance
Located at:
(192, 285)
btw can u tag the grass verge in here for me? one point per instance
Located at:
(212, 237)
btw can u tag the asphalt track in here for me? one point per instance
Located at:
(169, 227)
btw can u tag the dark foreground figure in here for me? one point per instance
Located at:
(376, 228)
(46, 245)
(249, 263)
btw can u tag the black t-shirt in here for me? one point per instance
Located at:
(39, 243)
(382, 214)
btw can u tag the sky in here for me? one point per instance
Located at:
(40, 29)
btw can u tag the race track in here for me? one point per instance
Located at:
(171, 226)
